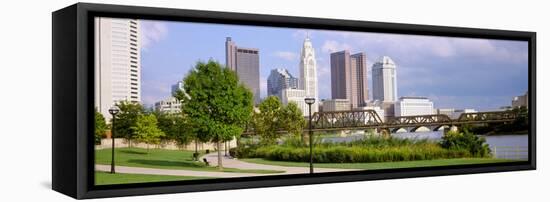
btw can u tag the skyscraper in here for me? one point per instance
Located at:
(359, 84)
(246, 62)
(308, 73)
(177, 86)
(340, 75)
(280, 79)
(117, 62)
(384, 80)
(349, 77)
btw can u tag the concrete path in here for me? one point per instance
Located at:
(156, 171)
(212, 158)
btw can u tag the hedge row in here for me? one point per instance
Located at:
(344, 154)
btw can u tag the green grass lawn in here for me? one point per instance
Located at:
(103, 178)
(382, 165)
(161, 158)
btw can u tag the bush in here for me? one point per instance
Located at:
(354, 154)
(466, 140)
(370, 149)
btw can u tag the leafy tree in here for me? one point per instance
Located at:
(217, 104)
(292, 120)
(146, 130)
(100, 127)
(465, 139)
(175, 127)
(268, 120)
(126, 119)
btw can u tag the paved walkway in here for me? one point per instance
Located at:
(235, 163)
(156, 171)
(213, 160)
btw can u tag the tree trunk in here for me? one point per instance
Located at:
(196, 149)
(220, 166)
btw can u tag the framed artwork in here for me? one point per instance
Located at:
(157, 100)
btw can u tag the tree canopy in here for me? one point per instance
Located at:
(268, 120)
(146, 129)
(100, 127)
(217, 104)
(126, 119)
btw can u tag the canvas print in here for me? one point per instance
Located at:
(186, 101)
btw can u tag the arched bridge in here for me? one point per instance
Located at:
(369, 119)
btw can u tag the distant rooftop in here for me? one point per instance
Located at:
(413, 97)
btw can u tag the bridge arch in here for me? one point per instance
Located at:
(441, 127)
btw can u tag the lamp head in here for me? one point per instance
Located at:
(309, 100)
(114, 110)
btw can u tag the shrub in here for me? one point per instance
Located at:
(369, 149)
(466, 140)
(354, 154)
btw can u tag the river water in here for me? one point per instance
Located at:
(505, 146)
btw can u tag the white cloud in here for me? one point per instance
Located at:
(152, 32)
(301, 34)
(287, 55)
(330, 46)
(416, 47)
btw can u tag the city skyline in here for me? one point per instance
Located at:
(453, 72)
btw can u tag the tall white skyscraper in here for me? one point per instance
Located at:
(308, 74)
(177, 86)
(384, 80)
(117, 62)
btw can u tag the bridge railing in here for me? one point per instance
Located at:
(365, 119)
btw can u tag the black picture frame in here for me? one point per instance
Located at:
(73, 103)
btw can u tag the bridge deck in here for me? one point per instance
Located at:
(369, 119)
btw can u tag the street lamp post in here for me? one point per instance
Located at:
(309, 101)
(113, 111)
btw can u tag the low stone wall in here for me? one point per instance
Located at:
(171, 145)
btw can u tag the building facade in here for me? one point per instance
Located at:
(280, 79)
(336, 105)
(384, 80)
(520, 101)
(359, 83)
(349, 77)
(117, 62)
(297, 96)
(446, 111)
(459, 112)
(379, 111)
(170, 105)
(246, 63)
(308, 74)
(413, 106)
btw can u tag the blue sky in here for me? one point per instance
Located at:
(453, 72)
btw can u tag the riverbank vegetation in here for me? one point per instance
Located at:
(371, 148)
(519, 126)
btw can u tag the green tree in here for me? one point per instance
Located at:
(100, 127)
(146, 130)
(175, 127)
(268, 120)
(293, 120)
(465, 139)
(126, 119)
(217, 104)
